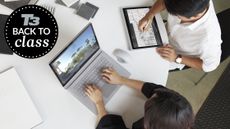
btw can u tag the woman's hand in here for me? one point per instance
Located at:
(94, 93)
(111, 76)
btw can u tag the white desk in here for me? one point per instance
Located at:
(58, 108)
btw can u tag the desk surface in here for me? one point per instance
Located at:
(58, 108)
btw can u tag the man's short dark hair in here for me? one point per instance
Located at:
(186, 8)
(167, 109)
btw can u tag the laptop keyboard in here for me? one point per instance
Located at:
(92, 75)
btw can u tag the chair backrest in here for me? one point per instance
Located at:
(224, 20)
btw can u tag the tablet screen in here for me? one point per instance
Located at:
(149, 38)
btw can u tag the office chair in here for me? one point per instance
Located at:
(224, 20)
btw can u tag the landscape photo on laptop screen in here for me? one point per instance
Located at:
(75, 55)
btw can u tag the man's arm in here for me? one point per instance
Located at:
(192, 62)
(156, 8)
(147, 19)
(167, 52)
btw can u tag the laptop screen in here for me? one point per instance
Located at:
(74, 56)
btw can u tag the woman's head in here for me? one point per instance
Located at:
(167, 109)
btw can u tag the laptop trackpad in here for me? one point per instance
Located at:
(107, 89)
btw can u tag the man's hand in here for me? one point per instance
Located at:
(167, 52)
(111, 76)
(94, 93)
(144, 23)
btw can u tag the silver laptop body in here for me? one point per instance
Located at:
(90, 73)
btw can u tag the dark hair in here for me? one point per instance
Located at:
(186, 8)
(167, 109)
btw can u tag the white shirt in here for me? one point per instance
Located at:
(201, 39)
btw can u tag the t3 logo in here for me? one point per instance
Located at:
(31, 31)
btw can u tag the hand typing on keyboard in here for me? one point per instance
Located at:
(95, 94)
(111, 76)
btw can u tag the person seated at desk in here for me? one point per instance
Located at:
(194, 33)
(164, 109)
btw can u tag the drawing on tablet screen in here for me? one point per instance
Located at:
(146, 38)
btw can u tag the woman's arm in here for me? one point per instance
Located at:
(136, 84)
(112, 77)
(95, 94)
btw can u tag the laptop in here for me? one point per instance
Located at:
(81, 63)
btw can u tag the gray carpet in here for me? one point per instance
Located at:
(215, 111)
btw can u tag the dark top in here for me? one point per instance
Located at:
(116, 122)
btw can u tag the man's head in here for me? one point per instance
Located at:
(186, 8)
(167, 109)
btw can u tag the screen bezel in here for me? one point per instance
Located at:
(154, 25)
(62, 51)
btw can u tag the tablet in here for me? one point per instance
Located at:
(138, 39)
